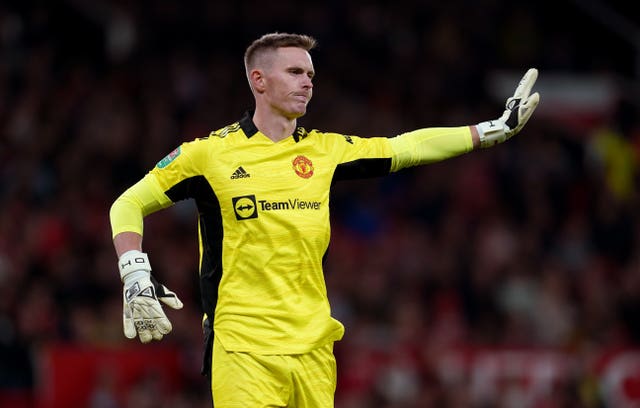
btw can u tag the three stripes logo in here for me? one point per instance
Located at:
(240, 173)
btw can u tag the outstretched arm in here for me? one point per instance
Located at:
(429, 145)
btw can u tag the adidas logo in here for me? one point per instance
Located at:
(240, 173)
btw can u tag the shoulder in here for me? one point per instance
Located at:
(330, 137)
(214, 137)
(226, 131)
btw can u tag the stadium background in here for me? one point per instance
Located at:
(505, 278)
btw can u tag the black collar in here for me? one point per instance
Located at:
(249, 128)
(246, 123)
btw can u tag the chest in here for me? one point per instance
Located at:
(289, 181)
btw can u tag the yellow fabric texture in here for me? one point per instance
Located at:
(141, 199)
(245, 380)
(429, 145)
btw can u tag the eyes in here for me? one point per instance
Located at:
(296, 71)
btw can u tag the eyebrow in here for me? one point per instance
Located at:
(295, 68)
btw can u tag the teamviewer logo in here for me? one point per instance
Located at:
(245, 207)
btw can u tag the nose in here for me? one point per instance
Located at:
(307, 83)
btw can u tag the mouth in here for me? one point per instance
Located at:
(301, 97)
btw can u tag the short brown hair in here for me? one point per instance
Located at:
(273, 41)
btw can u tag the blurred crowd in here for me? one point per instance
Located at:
(530, 244)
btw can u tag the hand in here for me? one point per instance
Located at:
(142, 312)
(518, 110)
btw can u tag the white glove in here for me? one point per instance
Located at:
(518, 111)
(142, 313)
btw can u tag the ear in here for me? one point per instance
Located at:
(257, 79)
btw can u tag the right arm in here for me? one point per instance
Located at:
(151, 193)
(142, 313)
(127, 241)
(128, 212)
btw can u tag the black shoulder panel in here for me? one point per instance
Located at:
(362, 168)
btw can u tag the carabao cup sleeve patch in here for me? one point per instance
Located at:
(168, 158)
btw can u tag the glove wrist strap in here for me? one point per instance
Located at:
(491, 133)
(133, 261)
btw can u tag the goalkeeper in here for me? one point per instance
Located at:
(261, 186)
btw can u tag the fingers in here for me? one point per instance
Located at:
(144, 332)
(527, 107)
(532, 101)
(147, 320)
(127, 323)
(526, 84)
(164, 325)
(152, 329)
(170, 299)
(166, 296)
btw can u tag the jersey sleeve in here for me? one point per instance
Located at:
(429, 145)
(138, 201)
(158, 189)
(360, 157)
(175, 171)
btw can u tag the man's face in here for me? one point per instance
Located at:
(288, 87)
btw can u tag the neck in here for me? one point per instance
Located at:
(275, 127)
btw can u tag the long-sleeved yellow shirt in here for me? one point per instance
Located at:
(264, 222)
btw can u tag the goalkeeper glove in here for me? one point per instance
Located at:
(142, 313)
(518, 110)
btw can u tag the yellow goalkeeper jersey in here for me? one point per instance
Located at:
(264, 222)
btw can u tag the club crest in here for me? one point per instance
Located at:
(303, 167)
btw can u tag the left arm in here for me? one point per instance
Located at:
(429, 145)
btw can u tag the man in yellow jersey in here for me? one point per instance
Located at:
(261, 186)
